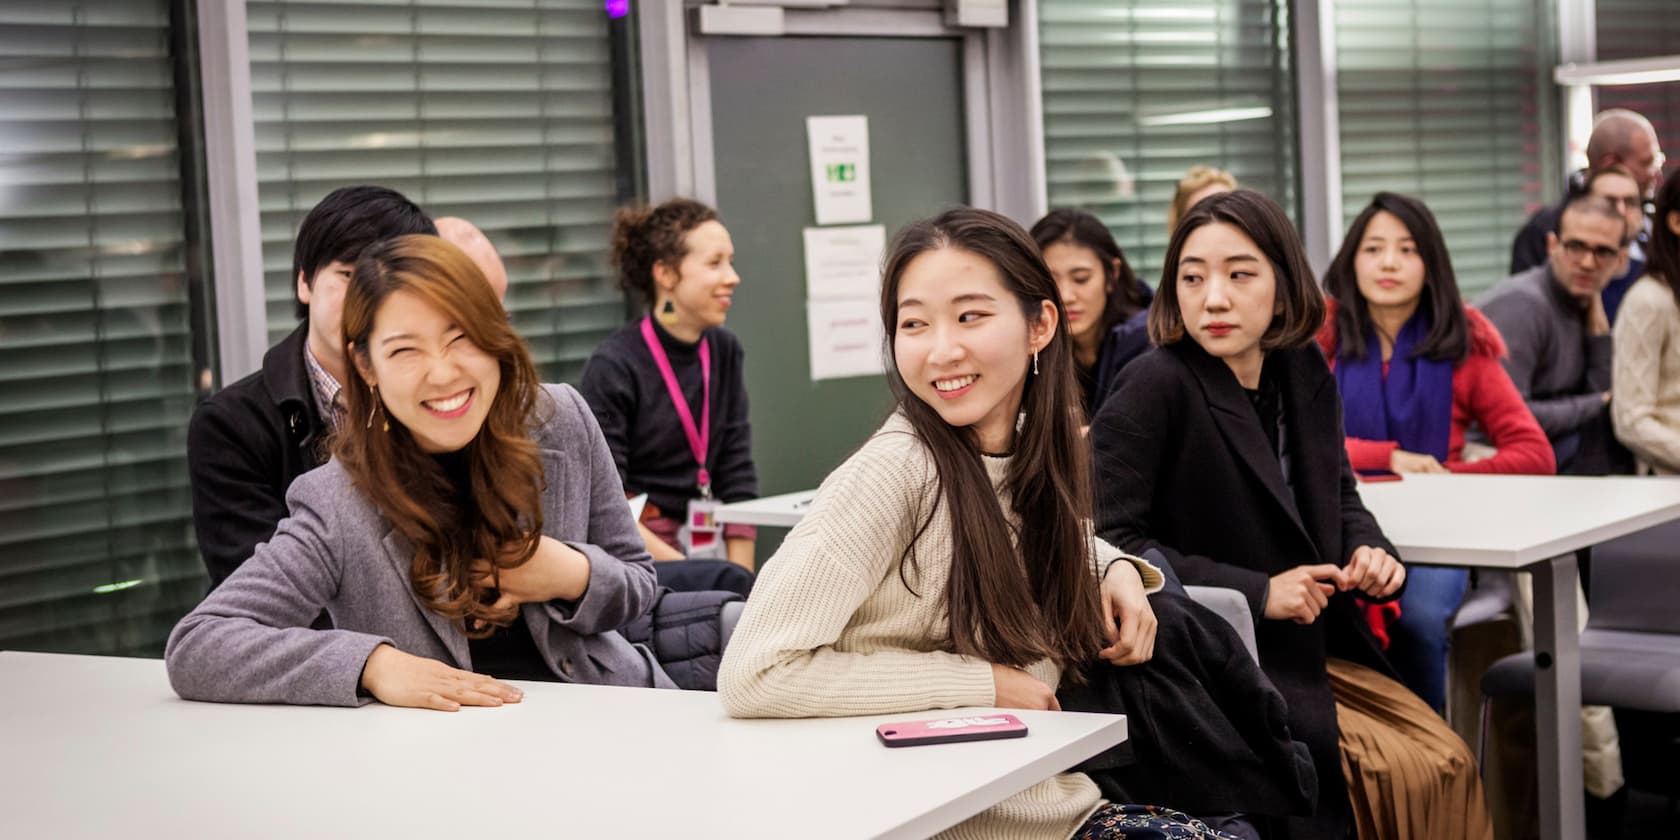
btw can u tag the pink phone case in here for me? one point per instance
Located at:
(915, 733)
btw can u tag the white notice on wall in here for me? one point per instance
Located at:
(845, 338)
(844, 262)
(840, 168)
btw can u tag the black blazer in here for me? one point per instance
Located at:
(245, 446)
(1184, 466)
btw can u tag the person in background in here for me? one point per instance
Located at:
(1645, 376)
(668, 388)
(1553, 321)
(1197, 184)
(1105, 301)
(1416, 368)
(949, 562)
(251, 440)
(1620, 138)
(459, 485)
(466, 236)
(1222, 450)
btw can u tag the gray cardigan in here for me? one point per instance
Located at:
(1561, 372)
(250, 640)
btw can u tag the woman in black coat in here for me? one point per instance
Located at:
(1224, 453)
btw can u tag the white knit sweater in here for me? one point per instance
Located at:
(1645, 378)
(830, 629)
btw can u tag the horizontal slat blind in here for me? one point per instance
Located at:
(499, 111)
(1441, 99)
(1127, 84)
(1643, 29)
(96, 368)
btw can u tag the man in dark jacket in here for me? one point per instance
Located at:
(1619, 138)
(248, 442)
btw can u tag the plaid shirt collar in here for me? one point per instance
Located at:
(325, 389)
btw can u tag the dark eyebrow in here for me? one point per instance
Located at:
(972, 297)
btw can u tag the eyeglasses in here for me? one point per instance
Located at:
(1577, 249)
(1623, 203)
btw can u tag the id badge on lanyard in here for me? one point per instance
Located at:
(700, 533)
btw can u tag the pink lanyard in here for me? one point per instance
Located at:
(697, 438)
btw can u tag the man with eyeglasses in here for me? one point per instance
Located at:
(1621, 140)
(1557, 332)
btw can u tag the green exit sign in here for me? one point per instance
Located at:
(842, 173)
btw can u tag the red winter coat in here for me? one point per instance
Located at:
(1483, 395)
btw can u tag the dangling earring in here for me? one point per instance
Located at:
(375, 408)
(1035, 363)
(668, 313)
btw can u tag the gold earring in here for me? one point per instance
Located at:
(668, 313)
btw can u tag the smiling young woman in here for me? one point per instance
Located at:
(668, 388)
(949, 561)
(459, 484)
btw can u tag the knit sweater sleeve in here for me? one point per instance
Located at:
(790, 655)
(1104, 555)
(1495, 405)
(1645, 328)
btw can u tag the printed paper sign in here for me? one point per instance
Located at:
(840, 169)
(846, 338)
(844, 262)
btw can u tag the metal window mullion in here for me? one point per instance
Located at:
(1317, 110)
(230, 152)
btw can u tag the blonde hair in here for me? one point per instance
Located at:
(1193, 181)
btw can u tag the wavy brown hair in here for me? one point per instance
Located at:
(448, 528)
(1011, 601)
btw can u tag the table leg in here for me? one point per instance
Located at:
(1557, 691)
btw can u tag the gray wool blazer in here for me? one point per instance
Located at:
(250, 641)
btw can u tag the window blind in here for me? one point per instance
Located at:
(498, 111)
(1137, 92)
(1444, 100)
(1643, 29)
(96, 354)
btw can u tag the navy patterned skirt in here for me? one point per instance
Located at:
(1144, 822)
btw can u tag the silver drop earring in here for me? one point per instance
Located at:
(1035, 363)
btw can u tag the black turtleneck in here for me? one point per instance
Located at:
(622, 384)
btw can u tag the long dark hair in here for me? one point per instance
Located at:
(1299, 303)
(1449, 329)
(1009, 603)
(1124, 298)
(1664, 251)
(499, 518)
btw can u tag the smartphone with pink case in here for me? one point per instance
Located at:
(915, 733)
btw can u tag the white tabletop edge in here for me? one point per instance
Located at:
(1520, 558)
(780, 511)
(997, 790)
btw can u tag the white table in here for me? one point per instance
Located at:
(100, 747)
(782, 511)
(1537, 524)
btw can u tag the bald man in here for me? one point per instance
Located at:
(469, 238)
(1619, 138)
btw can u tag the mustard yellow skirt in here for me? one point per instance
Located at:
(1409, 776)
